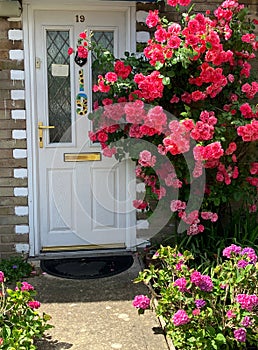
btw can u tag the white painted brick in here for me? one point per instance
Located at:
(20, 191)
(21, 229)
(20, 173)
(141, 16)
(19, 134)
(18, 114)
(15, 34)
(140, 187)
(16, 55)
(14, 19)
(142, 224)
(19, 153)
(22, 248)
(17, 75)
(142, 37)
(21, 211)
(17, 94)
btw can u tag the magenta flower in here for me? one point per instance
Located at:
(247, 302)
(200, 303)
(240, 335)
(25, 287)
(242, 264)
(196, 312)
(181, 284)
(34, 304)
(180, 318)
(1, 276)
(204, 282)
(250, 253)
(247, 321)
(231, 249)
(141, 302)
(230, 314)
(196, 277)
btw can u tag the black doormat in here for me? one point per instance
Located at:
(88, 267)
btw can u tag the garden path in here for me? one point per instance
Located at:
(97, 314)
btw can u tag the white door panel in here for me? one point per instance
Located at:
(82, 203)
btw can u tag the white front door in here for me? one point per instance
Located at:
(83, 198)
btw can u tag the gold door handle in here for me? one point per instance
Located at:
(46, 127)
(42, 127)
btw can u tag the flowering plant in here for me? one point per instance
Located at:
(20, 322)
(82, 49)
(141, 303)
(190, 96)
(218, 310)
(15, 268)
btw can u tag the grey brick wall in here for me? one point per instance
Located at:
(11, 224)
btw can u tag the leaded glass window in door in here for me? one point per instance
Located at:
(59, 86)
(106, 40)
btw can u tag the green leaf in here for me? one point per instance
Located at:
(211, 330)
(158, 65)
(216, 201)
(220, 338)
(166, 81)
(237, 196)
(214, 345)
(171, 73)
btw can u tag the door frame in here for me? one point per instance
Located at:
(29, 6)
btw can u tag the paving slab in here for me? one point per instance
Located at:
(97, 314)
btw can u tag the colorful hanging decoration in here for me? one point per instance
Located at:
(81, 61)
(81, 53)
(81, 98)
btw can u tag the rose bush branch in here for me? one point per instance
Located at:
(191, 96)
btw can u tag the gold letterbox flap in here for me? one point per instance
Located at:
(82, 157)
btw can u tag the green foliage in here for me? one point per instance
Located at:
(212, 308)
(236, 226)
(20, 322)
(15, 268)
(205, 84)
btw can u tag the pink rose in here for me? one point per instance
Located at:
(111, 77)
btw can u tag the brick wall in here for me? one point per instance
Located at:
(13, 164)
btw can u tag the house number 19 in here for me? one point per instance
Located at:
(80, 18)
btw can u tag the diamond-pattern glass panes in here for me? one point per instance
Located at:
(59, 88)
(106, 40)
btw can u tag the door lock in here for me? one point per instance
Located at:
(42, 127)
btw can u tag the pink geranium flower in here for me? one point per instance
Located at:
(141, 302)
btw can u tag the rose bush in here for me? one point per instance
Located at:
(20, 322)
(191, 95)
(218, 310)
